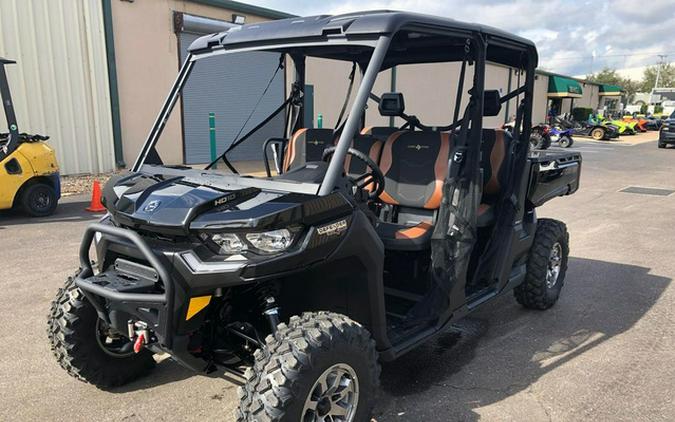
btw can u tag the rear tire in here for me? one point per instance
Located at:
(284, 385)
(539, 141)
(38, 200)
(73, 330)
(662, 145)
(598, 134)
(546, 266)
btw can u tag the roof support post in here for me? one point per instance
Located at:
(336, 167)
(164, 113)
(299, 64)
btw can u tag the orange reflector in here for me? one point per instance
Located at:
(197, 304)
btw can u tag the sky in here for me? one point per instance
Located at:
(573, 37)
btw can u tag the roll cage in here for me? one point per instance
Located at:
(376, 41)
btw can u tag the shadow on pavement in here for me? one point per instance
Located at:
(503, 348)
(66, 212)
(168, 371)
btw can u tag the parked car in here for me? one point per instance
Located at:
(667, 132)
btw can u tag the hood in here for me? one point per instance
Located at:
(167, 202)
(176, 204)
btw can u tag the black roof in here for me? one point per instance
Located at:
(358, 26)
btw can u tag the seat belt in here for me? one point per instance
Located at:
(347, 97)
(294, 93)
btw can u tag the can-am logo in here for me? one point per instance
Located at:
(332, 229)
(152, 205)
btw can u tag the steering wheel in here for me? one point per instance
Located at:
(374, 176)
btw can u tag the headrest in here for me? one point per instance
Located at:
(391, 104)
(491, 104)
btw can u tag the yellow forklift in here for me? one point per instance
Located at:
(29, 173)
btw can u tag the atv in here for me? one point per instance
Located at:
(349, 252)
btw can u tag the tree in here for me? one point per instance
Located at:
(606, 76)
(611, 77)
(666, 78)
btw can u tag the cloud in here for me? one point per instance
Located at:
(572, 36)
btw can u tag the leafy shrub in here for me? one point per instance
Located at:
(580, 114)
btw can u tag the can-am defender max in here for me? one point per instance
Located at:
(300, 282)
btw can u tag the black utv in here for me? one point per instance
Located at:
(353, 246)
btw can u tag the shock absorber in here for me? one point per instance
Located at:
(271, 311)
(266, 295)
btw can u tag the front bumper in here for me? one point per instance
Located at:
(162, 305)
(171, 274)
(666, 136)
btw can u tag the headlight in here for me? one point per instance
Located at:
(261, 242)
(229, 243)
(271, 242)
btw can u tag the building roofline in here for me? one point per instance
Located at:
(236, 6)
(586, 81)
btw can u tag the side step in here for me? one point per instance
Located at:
(402, 294)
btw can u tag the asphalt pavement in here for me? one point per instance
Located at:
(606, 351)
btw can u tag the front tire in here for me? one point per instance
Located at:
(75, 334)
(662, 145)
(321, 364)
(565, 141)
(546, 266)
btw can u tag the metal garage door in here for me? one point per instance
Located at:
(229, 86)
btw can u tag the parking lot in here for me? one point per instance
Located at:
(604, 352)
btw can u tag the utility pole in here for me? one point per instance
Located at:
(662, 61)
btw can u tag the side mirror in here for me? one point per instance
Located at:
(491, 104)
(391, 104)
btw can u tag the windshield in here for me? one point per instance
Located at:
(232, 105)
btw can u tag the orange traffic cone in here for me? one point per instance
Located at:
(96, 205)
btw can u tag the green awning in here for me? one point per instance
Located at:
(559, 86)
(610, 90)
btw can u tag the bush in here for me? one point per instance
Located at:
(658, 109)
(644, 108)
(580, 114)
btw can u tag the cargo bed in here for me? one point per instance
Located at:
(553, 173)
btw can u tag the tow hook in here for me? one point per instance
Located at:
(139, 343)
(139, 334)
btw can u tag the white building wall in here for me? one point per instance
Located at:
(60, 82)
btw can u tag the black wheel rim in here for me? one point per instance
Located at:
(41, 200)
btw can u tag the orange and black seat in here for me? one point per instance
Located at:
(495, 150)
(306, 145)
(414, 165)
(380, 132)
